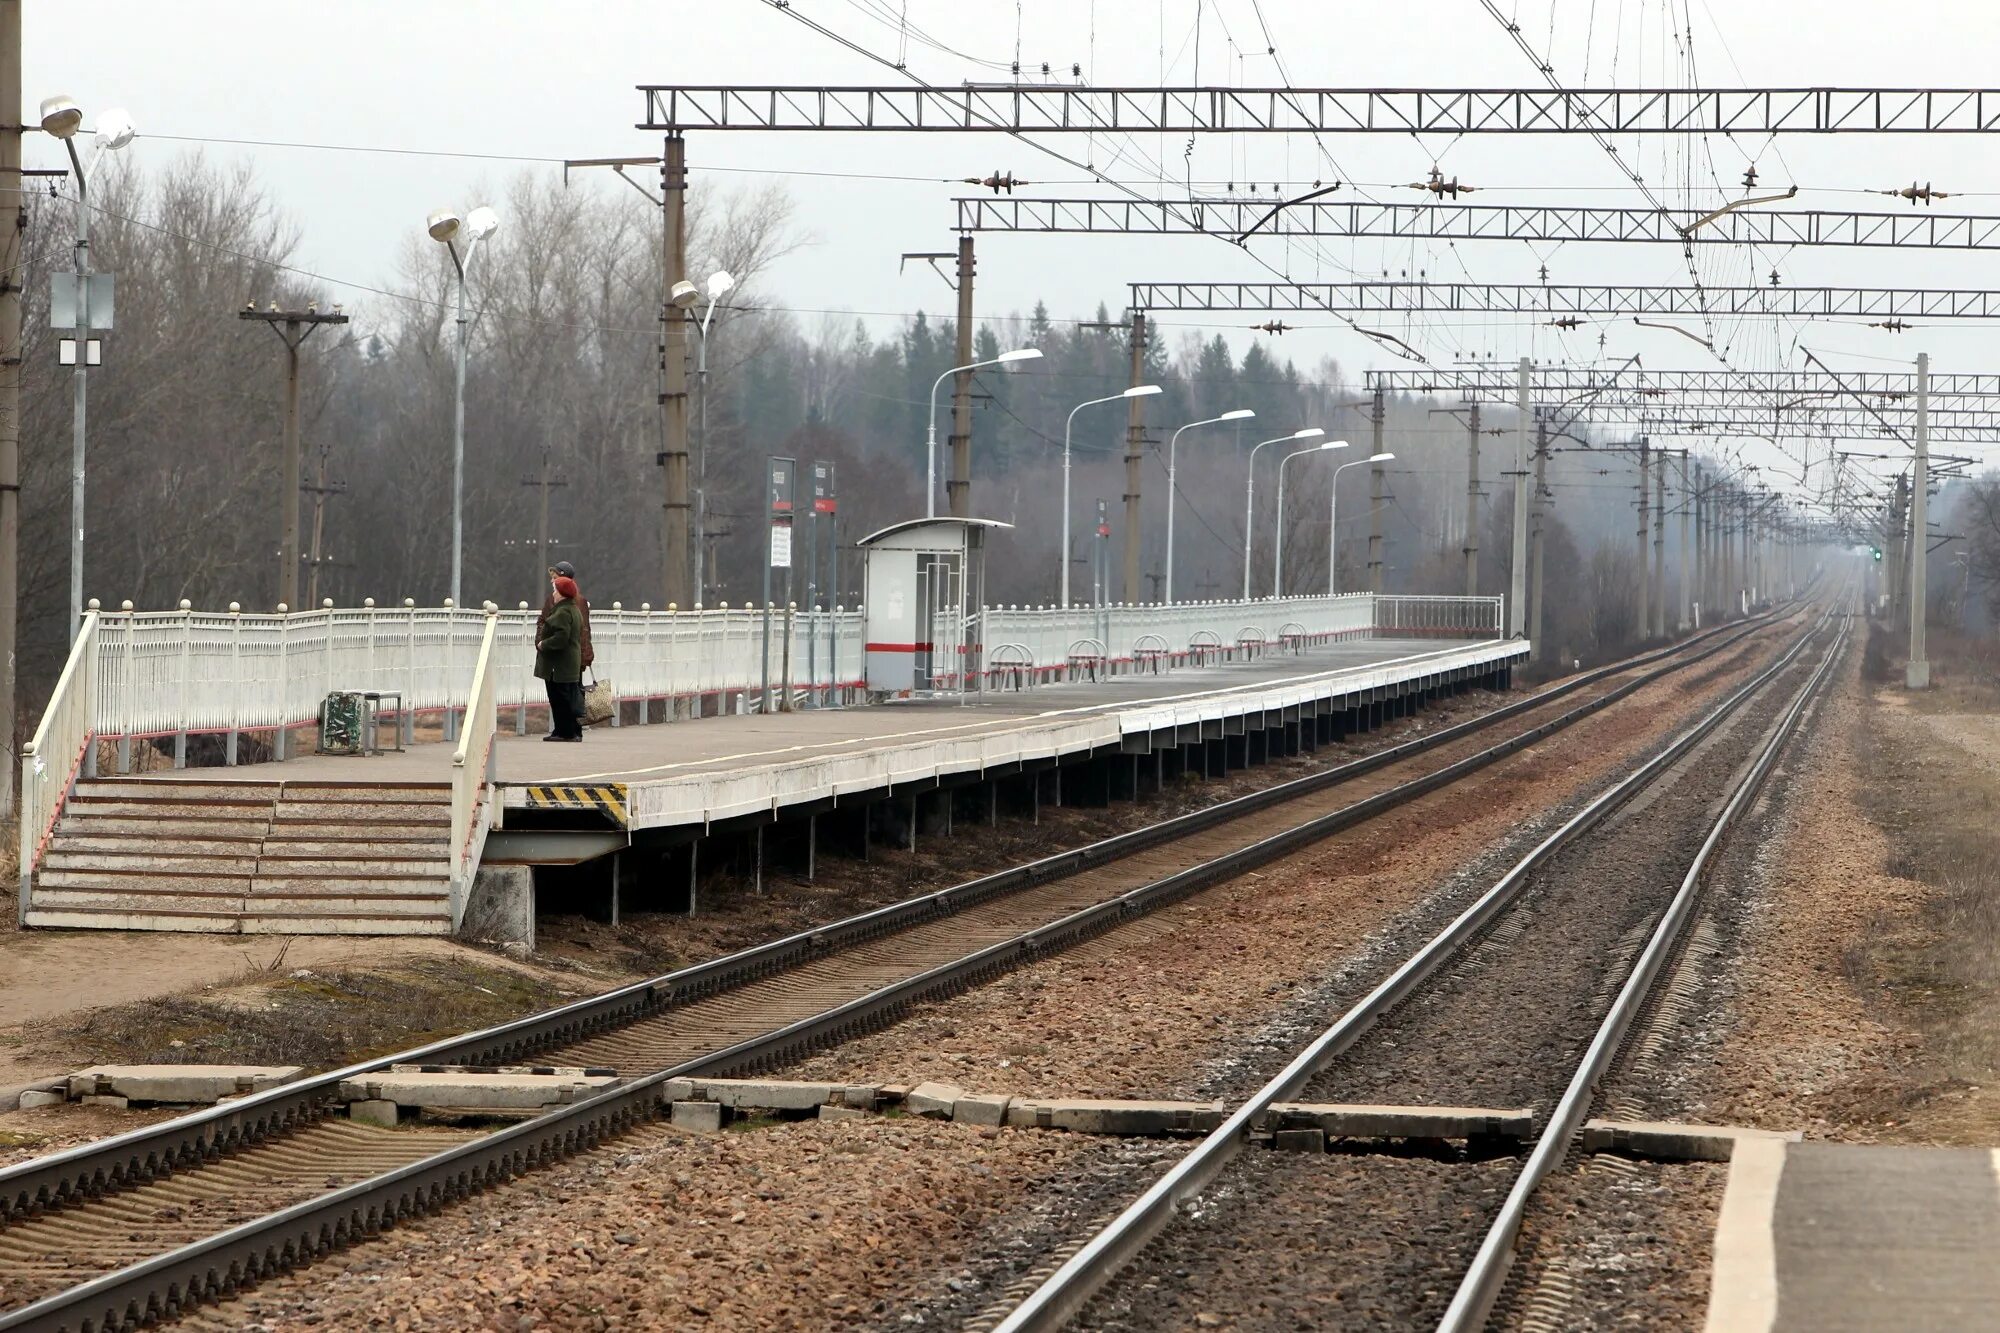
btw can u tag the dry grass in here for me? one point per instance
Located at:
(313, 1019)
(1938, 972)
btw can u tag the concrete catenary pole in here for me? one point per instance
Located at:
(11, 245)
(1517, 574)
(1899, 582)
(1472, 502)
(1660, 547)
(958, 487)
(1645, 582)
(1535, 538)
(1376, 493)
(675, 549)
(1918, 674)
(1699, 500)
(1135, 443)
(1684, 619)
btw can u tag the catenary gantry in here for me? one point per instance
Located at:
(1568, 299)
(1050, 108)
(1358, 218)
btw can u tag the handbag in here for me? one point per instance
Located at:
(598, 703)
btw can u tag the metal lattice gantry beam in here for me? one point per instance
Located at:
(1566, 299)
(1775, 405)
(1967, 427)
(1234, 218)
(1048, 108)
(1548, 383)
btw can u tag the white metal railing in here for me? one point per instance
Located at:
(179, 672)
(472, 805)
(174, 673)
(1052, 637)
(1399, 614)
(52, 760)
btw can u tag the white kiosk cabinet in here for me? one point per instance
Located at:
(924, 586)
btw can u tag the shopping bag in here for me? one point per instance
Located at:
(598, 704)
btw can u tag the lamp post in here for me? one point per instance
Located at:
(1333, 513)
(444, 227)
(1250, 492)
(1173, 492)
(930, 426)
(683, 295)
(1278, 547)
(62, 118)
(1136, 391)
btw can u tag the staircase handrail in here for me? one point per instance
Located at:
(472, 802)
(51, 761)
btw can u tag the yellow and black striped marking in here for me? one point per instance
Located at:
(608, 798)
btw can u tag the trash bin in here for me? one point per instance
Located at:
(340, 723)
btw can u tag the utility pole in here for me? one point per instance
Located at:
(1375, 491)
(1472, 502)
(1685, 618)
(1699, 500)
(958, 487)
(1517, 622)
(676, 555)
(1135, 440)
(321, 491)
(1535, 650)
(293, 327)
(1660, 546)
(1917, 675)
(1899, 582)
(545, 482)
(12, 240)
(1645, 582)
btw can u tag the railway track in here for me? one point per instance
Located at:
(233, 1219)
(1523, 999)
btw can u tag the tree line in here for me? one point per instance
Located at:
(186, 418)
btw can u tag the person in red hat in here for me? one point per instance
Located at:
(559, 662)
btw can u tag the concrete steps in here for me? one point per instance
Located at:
(248, 857)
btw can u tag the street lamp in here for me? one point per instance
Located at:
(444, 227)
(1250, 492)
(930, 428)
(62, 117)
(1278, 547)
(1173, 494)
(1333, 513)
(1136, 391)
(682, 297)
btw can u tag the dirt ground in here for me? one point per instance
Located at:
(1870, 1006)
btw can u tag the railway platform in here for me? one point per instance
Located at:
(393, 842)
(1828, 1236)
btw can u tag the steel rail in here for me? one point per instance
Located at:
(188, 1141)
(218, 1265)
(1487, 1275)
(1064, 1293)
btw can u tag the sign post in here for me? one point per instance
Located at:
(822, 503)
(782, 482)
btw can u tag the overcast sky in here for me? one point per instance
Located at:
(543, 81)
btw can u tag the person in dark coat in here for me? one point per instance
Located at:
(559, 661)
(563, 569)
